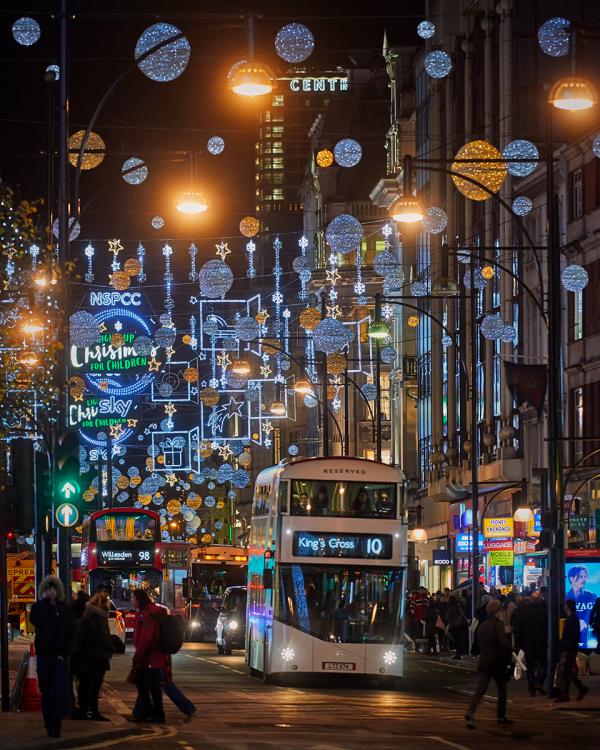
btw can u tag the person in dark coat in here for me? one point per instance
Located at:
(97, 645)
(149, 662)
(431, 616)
(455, 626)
(530, 628)
(79, 662)
(494, 658)
(569, 646)
(54, 640)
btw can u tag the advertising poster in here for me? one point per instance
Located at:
(582, 584)
(498, 528)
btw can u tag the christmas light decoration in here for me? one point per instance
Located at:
(347, 152)
(331, 336)
(249, 226)
(216, 279)
(84, 329)
(294, 43)
(488, 169)
(134, 170)
(522, 205)
(492, 326)
(438, 64)
(167, 62)
(426, 29)
(528, 156)
(93, 154)
(324, 158)
(344, 233)
(435, 221)
(157, 222)
(553, 37)
(384, 263)
(574, 278)
(215, 145)
(26, 31)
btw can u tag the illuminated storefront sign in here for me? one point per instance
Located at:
(333, 84)
(498, 528)
(503, 557)
(441, 557)
(464, 544)
(367, 546)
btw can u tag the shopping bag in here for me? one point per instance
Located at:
(594, 663)
(439, 624)
(582, 663)
(519, 662)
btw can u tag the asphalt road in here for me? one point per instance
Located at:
(237, 711)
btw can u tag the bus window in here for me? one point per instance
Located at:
(283, 496)
(261, 504)
(125, 528)
(343, 499)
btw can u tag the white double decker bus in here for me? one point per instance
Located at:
(326, 569)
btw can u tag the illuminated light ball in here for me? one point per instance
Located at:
(426, 29)
(26, 31)
(240, 478)
(492, 327)
(190, 375)
(132, 266)
(247, 329)
(310, 401)
(165, 337)
(225, 473)
(211, 326)
(418, 289)
(120, 280)
(347, 152)
(299, 263)
(134, 171)
(574, 278)
(249, 226)
(215, 278)
(160, 459)
(487, 272)
(393, 282)
(173, 506)
(142, 346)
(93, 155)
(235, 380)
(215, 145)
(524, 151)
(508, 334)
(479, 281)
(447, 341)
(331, 336)
(84, 329)
(436, 220)
(553, 37)
(438, 63)
(229, 344)
(209, 397)
(186, 339)
(463, 256)
(522, 205)
(324, 158)
(210, 501)
(305, 275)
(236, 447)
(88, 496)
(336, 364)
(135, 481)
(74, 228)
(413, 321)
(122, 483)
(294, 43)
(293, 450)
(284, 363)
(344, 233)
(157, 222)
(206, 538)
(117, 340)
(490, 171)
(369, 391)
(76, 384)
(55, 69)
(169, 61)
(245, 459)
(193, 502)
(384, 263)
(331, 392)
(388, 354)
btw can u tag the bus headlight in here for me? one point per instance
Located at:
(233, 625)
(194, 624)
(390, 657)
(287, 653)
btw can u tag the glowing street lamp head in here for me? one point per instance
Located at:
(523, 515)
(192, 202)
(29, 358)
(573, 94)
(32, 327)
(378, 330)
(303, 386)
(249, 78)
(406, 210)
(278, 408)
(240, 367)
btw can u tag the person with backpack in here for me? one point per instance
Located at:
(97, 645)
(79, 666)
(148, 659)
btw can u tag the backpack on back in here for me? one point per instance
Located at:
(171, 635)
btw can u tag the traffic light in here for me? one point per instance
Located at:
(66, 468)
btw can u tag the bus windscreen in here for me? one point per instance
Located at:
(343, 499)
(124, 527)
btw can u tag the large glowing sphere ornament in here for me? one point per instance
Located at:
(294, 43)
(527, 154)
(426, 29)
(26, 31)
(142, 346)
(215, 145)
(167, 62)
(394, 281)
(120, 280)
(74, 228)
(247, 329)
(508, 334)
(331, 336)
(249, 226)
(522, 205)
(438, 63)
(309, 318)
(215, 278)
(488, 168)
(84, 329)
(132, 266)
(384, 263)
(93, 154)
(165, 337)
(53, 70)
(324, 158)
(344, 233)
(369, 391)
(574, 278)
(347, 152)
(388, 354)
(134, 171)
(336, 364)
(435, 221)
(492, 327)
(157, 222)
(553, 37)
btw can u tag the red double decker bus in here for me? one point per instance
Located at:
(120, 552)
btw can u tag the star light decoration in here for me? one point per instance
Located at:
(116, 430)
(222, 250)
(171, 479)
(225, 451)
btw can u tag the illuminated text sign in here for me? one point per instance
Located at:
(365, 546)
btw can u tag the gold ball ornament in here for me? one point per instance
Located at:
(194, 502)
(205, 450)
(120, 280)
(88, 496)
(93, 155)
(487, 272)
(77, 385)
(117, 340)
(160, 459)
(271, 346)
(187, 339)
(249, 226)
(209, 396)
(135, 481)
(190, 375)
(309, 318)
(145, 499)
(206, 538)
(123, 482)
(336, 364)
(487, 168)
(220, 505)
(132, 266)
(331, 392)
(150, 464)
(173, 506)
(324, 158)
(413, 321)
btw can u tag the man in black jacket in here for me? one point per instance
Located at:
(530, 625)
(54, 636)
(569, 646)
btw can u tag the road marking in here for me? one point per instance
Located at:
(448, 743)
(152, 733)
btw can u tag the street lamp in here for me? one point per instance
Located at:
(303, 387)
(378, 330)
(523, 515)
(406, 210)
(241, 367)
(573, 93)
(278, 408)
(32, 327)
(192, 202)
(249, 79)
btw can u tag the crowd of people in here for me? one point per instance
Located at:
(74, 648)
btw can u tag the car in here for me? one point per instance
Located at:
(231, 622)
(202, 619)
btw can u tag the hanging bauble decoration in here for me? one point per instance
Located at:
(74, 228)
(190, 375)
(209, 396)
(294, 43)
(157, 222)
(413, 321)
(309, 318)
(249, 226)
(26, 31)
(247, 329)
(173, 507)
(369, 391)
(492, 326)
(84, 329)
(344, 233)
(384, 263)
(236, 380)
(522, 205)
(393, 282)
(479, 281)
(435, 221)
(94, 152)
(117, 340)
(553, 37)
(324, 158)
(438, 63)
(299, 263)
(215, 145)
(132, 266)
(508, 334)
(211, 325)
(310, 401)
(331, 336)
(418, 289)
(142, 346)
(574, 278)
(388, 354)
(134, 171)
(487, 272)
(527, 154)
(77, 385)
(426, 29)
(169, 61)
(347, 152)
(489, 170)
(165, 337)
(120, 280)
(122, 483)
(336, 364)
(293, 450)
(215, 278)
(245, 459)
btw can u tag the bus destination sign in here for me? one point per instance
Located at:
(357, 546)
(125, 553)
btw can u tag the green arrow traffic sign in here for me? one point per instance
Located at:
(69, 489)
(67, 515)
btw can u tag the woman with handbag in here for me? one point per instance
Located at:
(495, 663)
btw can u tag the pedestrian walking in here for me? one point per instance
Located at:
(79, 666)
(175, 695)
(456, 621)
(97, 647)
(567, 666)
(54, 640)
(530, 625)
(508, 608)
(431, 617)
(148, 660)
(494, 663)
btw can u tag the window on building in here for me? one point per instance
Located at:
(277, 194)
(577, 303)
(278, 100)
(576, 194)
(386, 400)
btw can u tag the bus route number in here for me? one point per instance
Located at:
(144, 555)
(358, 546)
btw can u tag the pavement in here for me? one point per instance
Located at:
(238, 712)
